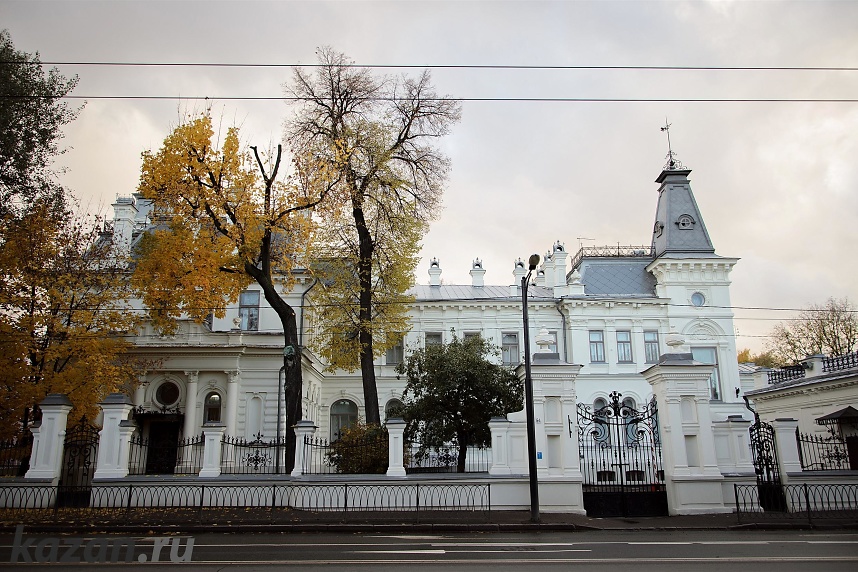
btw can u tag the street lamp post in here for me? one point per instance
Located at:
(532, 263)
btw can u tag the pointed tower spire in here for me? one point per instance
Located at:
(679, 227)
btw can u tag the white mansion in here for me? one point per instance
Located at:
(608, 309)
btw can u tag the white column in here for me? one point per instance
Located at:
(110, 465)
(396, 443)
(190, 427)
(213, 434)
(231, 401)
(303, 429)
(49, 438)
(787, 447)
(499, 426)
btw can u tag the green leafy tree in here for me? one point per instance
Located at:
(225, 218)
(830, 329)
(377, 134)
(453, 390)
(32, 115)
(361, 450)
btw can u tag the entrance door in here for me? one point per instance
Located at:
(620, 452)
(80, 451)
(163, 447)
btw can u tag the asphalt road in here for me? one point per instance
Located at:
(662, 551)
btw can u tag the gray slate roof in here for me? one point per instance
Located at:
(617, 277)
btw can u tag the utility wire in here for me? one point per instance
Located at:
(462, 99)
(441, 66)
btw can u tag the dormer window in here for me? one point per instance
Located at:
(657, 230)
(685, 222)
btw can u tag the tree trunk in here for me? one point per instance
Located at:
(462, 438)
(366, 249)
(292, 373)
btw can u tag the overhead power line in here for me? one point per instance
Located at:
(442, 66)
(462, 99)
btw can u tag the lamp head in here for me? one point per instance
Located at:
(289, 354)
(533, 261)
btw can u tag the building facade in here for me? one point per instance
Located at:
(608, 309)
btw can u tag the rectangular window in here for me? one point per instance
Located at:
(434, 339)
(469, 335)
(509, 348)
(651, 346)
(395, 355)
(597, 346)
(624, 347)
(710, 356)
(248, 310)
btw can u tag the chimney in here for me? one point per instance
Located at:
(478, 274)
(559, 280)
(434, 272)
(518, 273)
(124, 215)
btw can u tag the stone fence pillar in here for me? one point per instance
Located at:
(396, 444)
(303, 430)
(49, 438)
(213, 437)
(114, 442)
(499, 426)
(787, 447)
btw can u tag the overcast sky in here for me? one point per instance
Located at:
(777, 183)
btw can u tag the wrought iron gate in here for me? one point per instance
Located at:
(620, 452)
(79, 457)
(765, 456)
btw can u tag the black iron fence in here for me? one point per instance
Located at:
(837, 363)
(822, 453)
(366, 456)
(446, 459)
(15, 455)
(253, 457)
(802, 502)
(184, 457)
(787, 373)
(159, 504)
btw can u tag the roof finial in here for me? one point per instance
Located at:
(673, 163)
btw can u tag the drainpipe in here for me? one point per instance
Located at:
(563, 324)
(301, 326)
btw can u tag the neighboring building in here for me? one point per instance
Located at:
(819, 392)
(609, 309)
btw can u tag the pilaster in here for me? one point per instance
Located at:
(49, 438)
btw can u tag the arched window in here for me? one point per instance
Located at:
(344, 413)
(393, 408)
(212, 406)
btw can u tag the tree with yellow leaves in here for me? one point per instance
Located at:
(63, 322)
(224, 218)
(377, 135)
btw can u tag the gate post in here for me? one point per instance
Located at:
(692, 476)
(787, 447)
(499, 426)
(303, 430)
(48, 438)
(213, 433)
(396, 447)
(114, 438)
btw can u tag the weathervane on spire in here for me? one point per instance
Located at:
(673, 163)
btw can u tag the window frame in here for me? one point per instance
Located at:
(597, 347)
(248, 312)
(649, 345)
(433, 335)
(624, 347)
(715, 393)
(396, 354)
(510, 353)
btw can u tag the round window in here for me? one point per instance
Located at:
(698, 299)
(167, 394)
